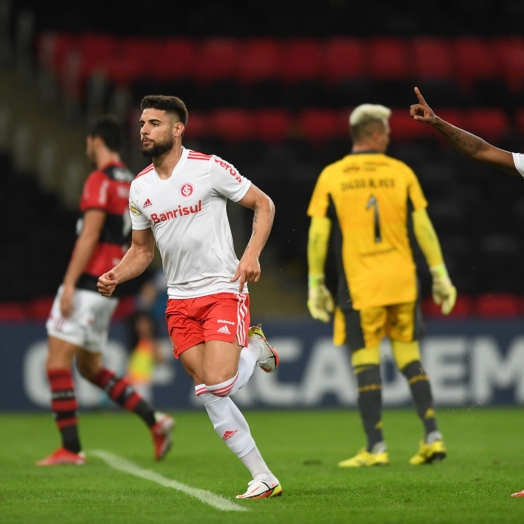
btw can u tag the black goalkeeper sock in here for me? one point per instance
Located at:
(421, 392)
(370, 402)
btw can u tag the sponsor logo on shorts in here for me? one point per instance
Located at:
(226, 322)
(187, 190)
(225, 330)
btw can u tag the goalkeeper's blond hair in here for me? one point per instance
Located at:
(364, 119)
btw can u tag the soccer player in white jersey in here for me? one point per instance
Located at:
(470, 145)
(179, 201)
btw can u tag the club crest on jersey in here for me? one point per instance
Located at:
(187, 190)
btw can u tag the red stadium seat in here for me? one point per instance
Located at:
(218, 60)
(510, 54)
(475, 60)
(344, 59)
(431, 59)
(174, 59)
(96, 52)
(11, 312)
(53, 49)
(319, 125)
(301, 60)
(232, 125)
(496, 306)
(259, 61)
(197, 125)
(491, 124)
(403, 127)
(388, 59)
(39, 308)
(519, 123)
(126, 307)
(463, 308)
(272, 125)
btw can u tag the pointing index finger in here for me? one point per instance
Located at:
(419, 96)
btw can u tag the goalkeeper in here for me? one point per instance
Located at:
(361, 204)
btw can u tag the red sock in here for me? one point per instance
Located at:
(120, 391)
(64, 406)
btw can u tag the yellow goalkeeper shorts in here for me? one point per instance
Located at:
(367, 327)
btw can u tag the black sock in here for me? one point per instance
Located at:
(421, 392)
(370, 402)
(64, 406)
(120, 391)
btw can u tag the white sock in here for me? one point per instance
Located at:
(256, 465)
(246, 365)
(228, 422)
(255, 347)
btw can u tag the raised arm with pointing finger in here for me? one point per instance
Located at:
(467, 143)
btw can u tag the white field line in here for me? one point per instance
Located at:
(207, 497)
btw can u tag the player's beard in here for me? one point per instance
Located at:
(158, 148)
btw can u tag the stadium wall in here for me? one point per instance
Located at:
(470, 363)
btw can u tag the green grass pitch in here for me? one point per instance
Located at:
(473, 485)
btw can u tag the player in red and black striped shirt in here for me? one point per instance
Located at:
(80, 316)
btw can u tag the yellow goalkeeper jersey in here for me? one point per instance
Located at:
(366, 195)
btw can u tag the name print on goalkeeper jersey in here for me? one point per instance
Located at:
(187, 214)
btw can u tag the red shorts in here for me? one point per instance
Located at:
(192, 321)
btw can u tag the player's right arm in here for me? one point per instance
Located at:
(466, 143)
(134, 263)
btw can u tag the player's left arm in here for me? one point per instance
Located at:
(85, 245)
(248, 269)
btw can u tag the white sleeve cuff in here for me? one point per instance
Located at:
(518, 159)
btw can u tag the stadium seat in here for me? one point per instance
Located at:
(344, 59)
(126, 307)
(497, 306)
(197, 126)
(39, 308)
(215, 70)
(259, 61)
(320, 125)
(12, 312)
(390, 69)
(52, 49)
(433, 71)
(404, 128)
(232, 125)
(519, 125)
(492, 124)
(174, 59)
(474, 60)
(388, 59)
(463, 308)
(218, 60)
(509, 53)
(301, 72)
(271, 126)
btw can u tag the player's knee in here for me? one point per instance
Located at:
(221, 384)
(405, 353)
(365, 357)
(89, 365)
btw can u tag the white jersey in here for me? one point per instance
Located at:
(187, 213)
(518, 159)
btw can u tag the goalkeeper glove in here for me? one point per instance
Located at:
(320, 302)
(443, 291)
